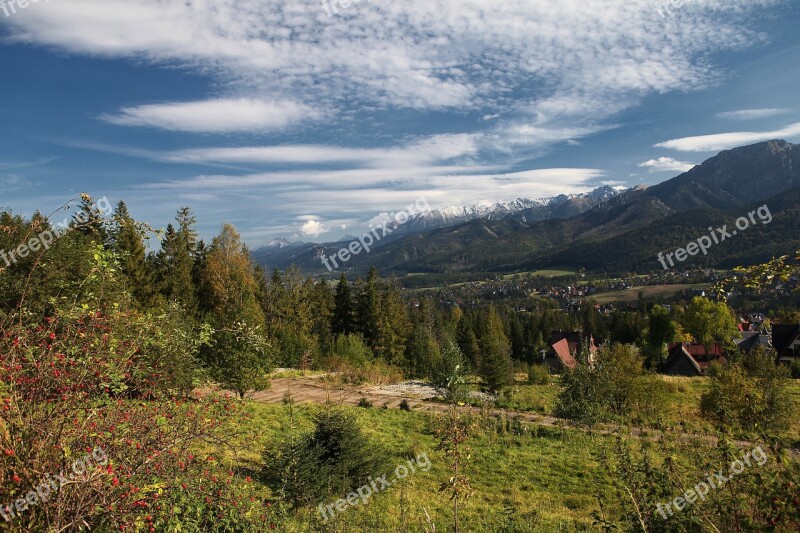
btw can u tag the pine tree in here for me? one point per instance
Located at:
(497, 369)
(175, 265)
(392, 326)
(90, 221)
(127, 241)
(368, 308)
(342, 321)
(468, 342)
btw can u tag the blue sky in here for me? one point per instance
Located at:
(289, 122)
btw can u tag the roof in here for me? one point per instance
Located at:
(783, 335)
(574, 339)
(696, 354)
(563, 353)
(751, 340)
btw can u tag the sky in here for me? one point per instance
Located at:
(305, 119)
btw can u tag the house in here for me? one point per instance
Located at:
(752, 339)
(692, 359)
(565, 347)
(786, 341)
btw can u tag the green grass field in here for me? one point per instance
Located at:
(654, 291)
(524, 478)
(550, 478)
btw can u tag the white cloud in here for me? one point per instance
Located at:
(753, 114)
(666, 164)
(725, 141)
(579, 62)
(313, 228)
(215, 116)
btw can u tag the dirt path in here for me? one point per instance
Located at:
(315, 390)
(310, 390)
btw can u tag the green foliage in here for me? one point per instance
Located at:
(449, 373)
(538, 374)
(759, 493)
(332, 460)
(349, 348)
(497, 369)
(239, 358)
(343, 313)
(795, 369)
(750, 394)
(710, 322)
(615, 387)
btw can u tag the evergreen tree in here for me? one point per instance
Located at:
(342, 321)
(468, 342)
(368, 307)
(497, 369)
(392, 326)
(175, 266)
(127, 240)
(90, 220)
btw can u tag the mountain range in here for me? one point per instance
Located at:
(605, 230)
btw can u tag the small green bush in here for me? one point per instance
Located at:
(538, 374)
(332, 460)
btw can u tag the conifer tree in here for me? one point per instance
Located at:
(342, 321)
(128, 242)
(497, 369)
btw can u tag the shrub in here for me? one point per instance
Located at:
(761, 496)
(350, 348)
(239, 358)
(332, 460)
(616, 386)
(750, 394)
(795, 369)
(71, 385)
(538, 374)
(449, 372)
(365, 403)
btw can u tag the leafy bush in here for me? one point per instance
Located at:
(795, 369)
(347, 348)
(239, 358)
(365, 403)
(750, 394)
(69, 385)
(449, 372)
(616, 386)
(761, 492)
(538, 374)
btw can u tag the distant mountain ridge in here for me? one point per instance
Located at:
(281, 253)
(622, 230)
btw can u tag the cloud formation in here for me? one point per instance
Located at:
(753, 114)
(223, 115)
(666, 164)
(726, 141)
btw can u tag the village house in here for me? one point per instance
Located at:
(692, 359)
(786, 341)
(566, 347)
